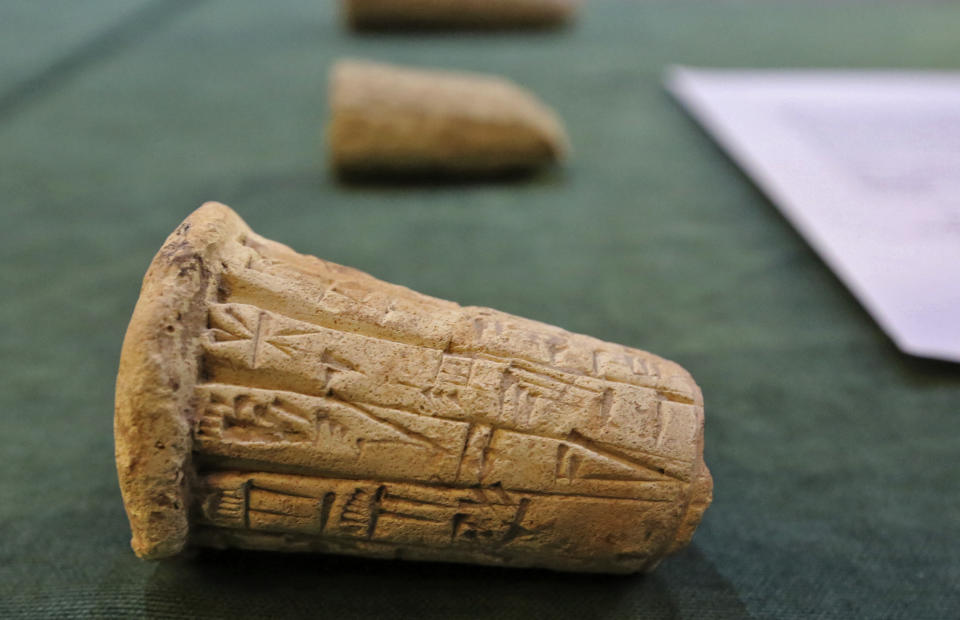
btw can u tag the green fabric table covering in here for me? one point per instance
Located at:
(835, 457)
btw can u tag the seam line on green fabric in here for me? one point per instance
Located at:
(126, 32)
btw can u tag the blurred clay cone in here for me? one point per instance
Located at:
(457, 14)
(396, 121)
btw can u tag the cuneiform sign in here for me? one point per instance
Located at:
(268, 399)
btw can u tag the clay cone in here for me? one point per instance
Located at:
(271, 400)
(458, 14)
(393, 121)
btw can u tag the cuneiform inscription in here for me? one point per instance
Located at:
(466, 415)
(349, 439)
(394, 380)
(396, 313)
(238, 415)
(336, 437)
(397, 512)
(250, 330)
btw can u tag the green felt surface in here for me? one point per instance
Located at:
(36, 36)
(834, 456)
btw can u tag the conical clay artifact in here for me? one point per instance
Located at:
(388, 120)
(479, 14)
(272, 400)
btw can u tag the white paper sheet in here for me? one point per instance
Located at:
(866, 165)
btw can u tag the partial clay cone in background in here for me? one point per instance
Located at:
(395, 121)
(458, 14)
(272, 400)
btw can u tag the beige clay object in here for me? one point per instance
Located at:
(388, 120)
(492, 14)
(272, 400)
